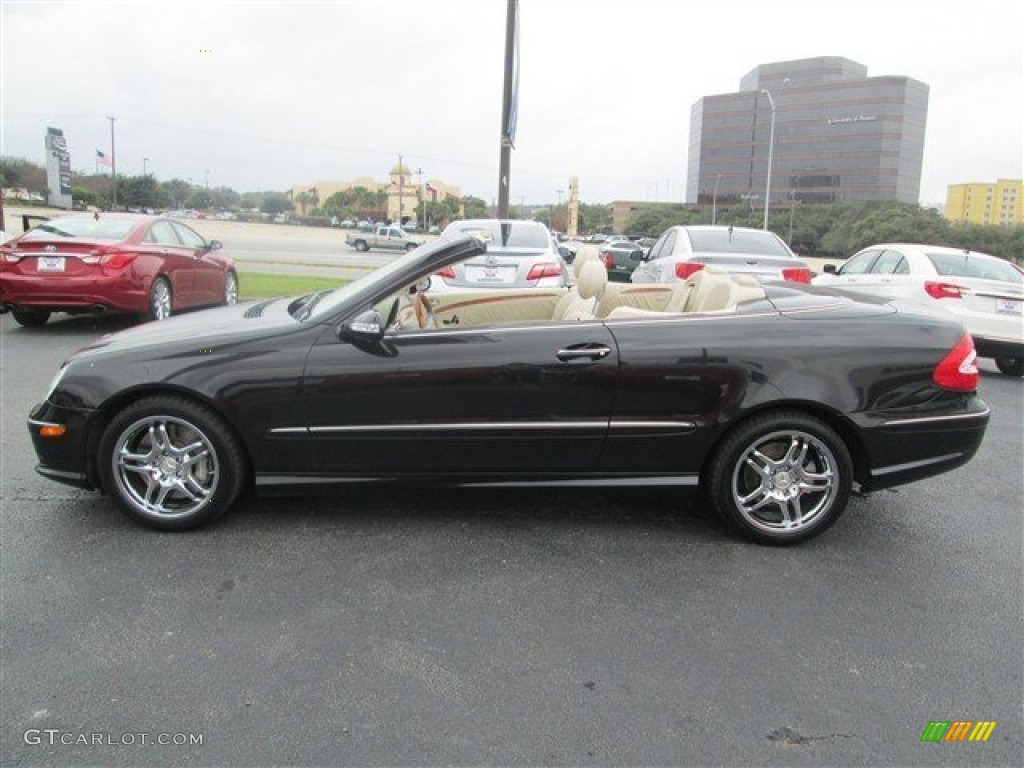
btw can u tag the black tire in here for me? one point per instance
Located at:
(1011, 366)
(161, 300)
(171, 463)
(804, 468)
(230, 289)
(361, 245)
(410, 247)
(30, 318)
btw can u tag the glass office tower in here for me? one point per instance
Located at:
(840, 136)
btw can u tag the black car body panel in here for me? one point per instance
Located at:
(600, 401)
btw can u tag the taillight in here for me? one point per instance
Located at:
(686, 268)
(117, 260)
(943, 290)
(957, 370)
(608, 259)
(448, 273)
(797, 275)
(8, 255)
(537, 271)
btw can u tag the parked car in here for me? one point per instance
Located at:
(683, 250)
(985, 292)
(777, 399)
(387, 238)
(620, 257)
(119, 262)
(519, 254)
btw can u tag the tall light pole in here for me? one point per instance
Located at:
(771, 150)
(509, 105)
(423, 200)
(559, 193)
(207, 179)
(144, 161)
(714, 200)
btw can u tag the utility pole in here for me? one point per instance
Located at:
(113, 164)
(401, 188)
(509, 107)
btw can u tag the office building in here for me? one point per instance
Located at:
(840, 136)
(999, 203)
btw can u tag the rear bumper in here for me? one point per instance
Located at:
(85, 293)
(903, 449)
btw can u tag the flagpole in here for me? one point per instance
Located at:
(505, 160)
(113, 164)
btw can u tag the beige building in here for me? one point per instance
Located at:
(997, 204)
(404, 191)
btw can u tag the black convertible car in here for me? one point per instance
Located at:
(776, 400)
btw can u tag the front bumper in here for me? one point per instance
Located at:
(65, 458)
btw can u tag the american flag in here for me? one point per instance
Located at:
(102, 159)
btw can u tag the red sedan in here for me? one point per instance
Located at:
(117, 262)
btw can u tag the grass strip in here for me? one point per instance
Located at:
(263, 285)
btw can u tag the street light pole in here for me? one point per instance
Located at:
(714, 200)
(771, 149)
(144, 161)
(113, 165)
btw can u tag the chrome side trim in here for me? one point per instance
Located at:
(931, 419)
(473, 426)
(882, 471)
(35, 423)
(267, 482)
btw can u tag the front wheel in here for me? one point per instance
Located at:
(1011, 366)
(171, 463)
(781, 478)
(410, 247)
(30, 318)
(230, 289)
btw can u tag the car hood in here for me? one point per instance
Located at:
(197, 329)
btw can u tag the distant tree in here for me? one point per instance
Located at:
(594, 218)
(274, 203)
(653, 220)
(474, 207)
(177, 191)
(141, 192)
(19, 172)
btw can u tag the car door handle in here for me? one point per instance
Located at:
(591, 352)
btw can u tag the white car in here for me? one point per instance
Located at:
(520, 254)
(684, 250)
(985, 292)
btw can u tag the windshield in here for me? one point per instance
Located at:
(966, 265)
(83, 226)
(736, 241)
(328, 303)
(502, 234)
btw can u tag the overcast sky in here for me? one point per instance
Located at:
(266, 95)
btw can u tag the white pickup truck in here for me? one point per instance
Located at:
(388, 237)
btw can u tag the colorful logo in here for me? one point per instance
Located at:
(958, 730)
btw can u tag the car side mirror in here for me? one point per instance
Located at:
(367, 327)
(215, 245)
(639, 255)
(831, 269)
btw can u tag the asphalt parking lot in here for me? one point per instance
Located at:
(388, 627)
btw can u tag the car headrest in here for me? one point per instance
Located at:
(592, 279)
(583, 255)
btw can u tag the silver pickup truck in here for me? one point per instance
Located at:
(387, 237)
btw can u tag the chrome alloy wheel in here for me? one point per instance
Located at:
(160, 300)
(165, 466)
(230, 289)
(785, 481)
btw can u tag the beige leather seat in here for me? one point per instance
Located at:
(582, 300)
(724, 295)
(583, 255)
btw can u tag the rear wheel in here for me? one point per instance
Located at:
(160, 298)
(410, 247)
(30, 318)
(781, 478)
(361, 245)
(171, 463)
(1011, 366)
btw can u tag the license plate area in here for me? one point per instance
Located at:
(490, 274)
(51, 264)
(1009, 306)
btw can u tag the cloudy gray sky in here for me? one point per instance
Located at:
(265, 95)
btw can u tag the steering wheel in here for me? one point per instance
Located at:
(424, 314)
